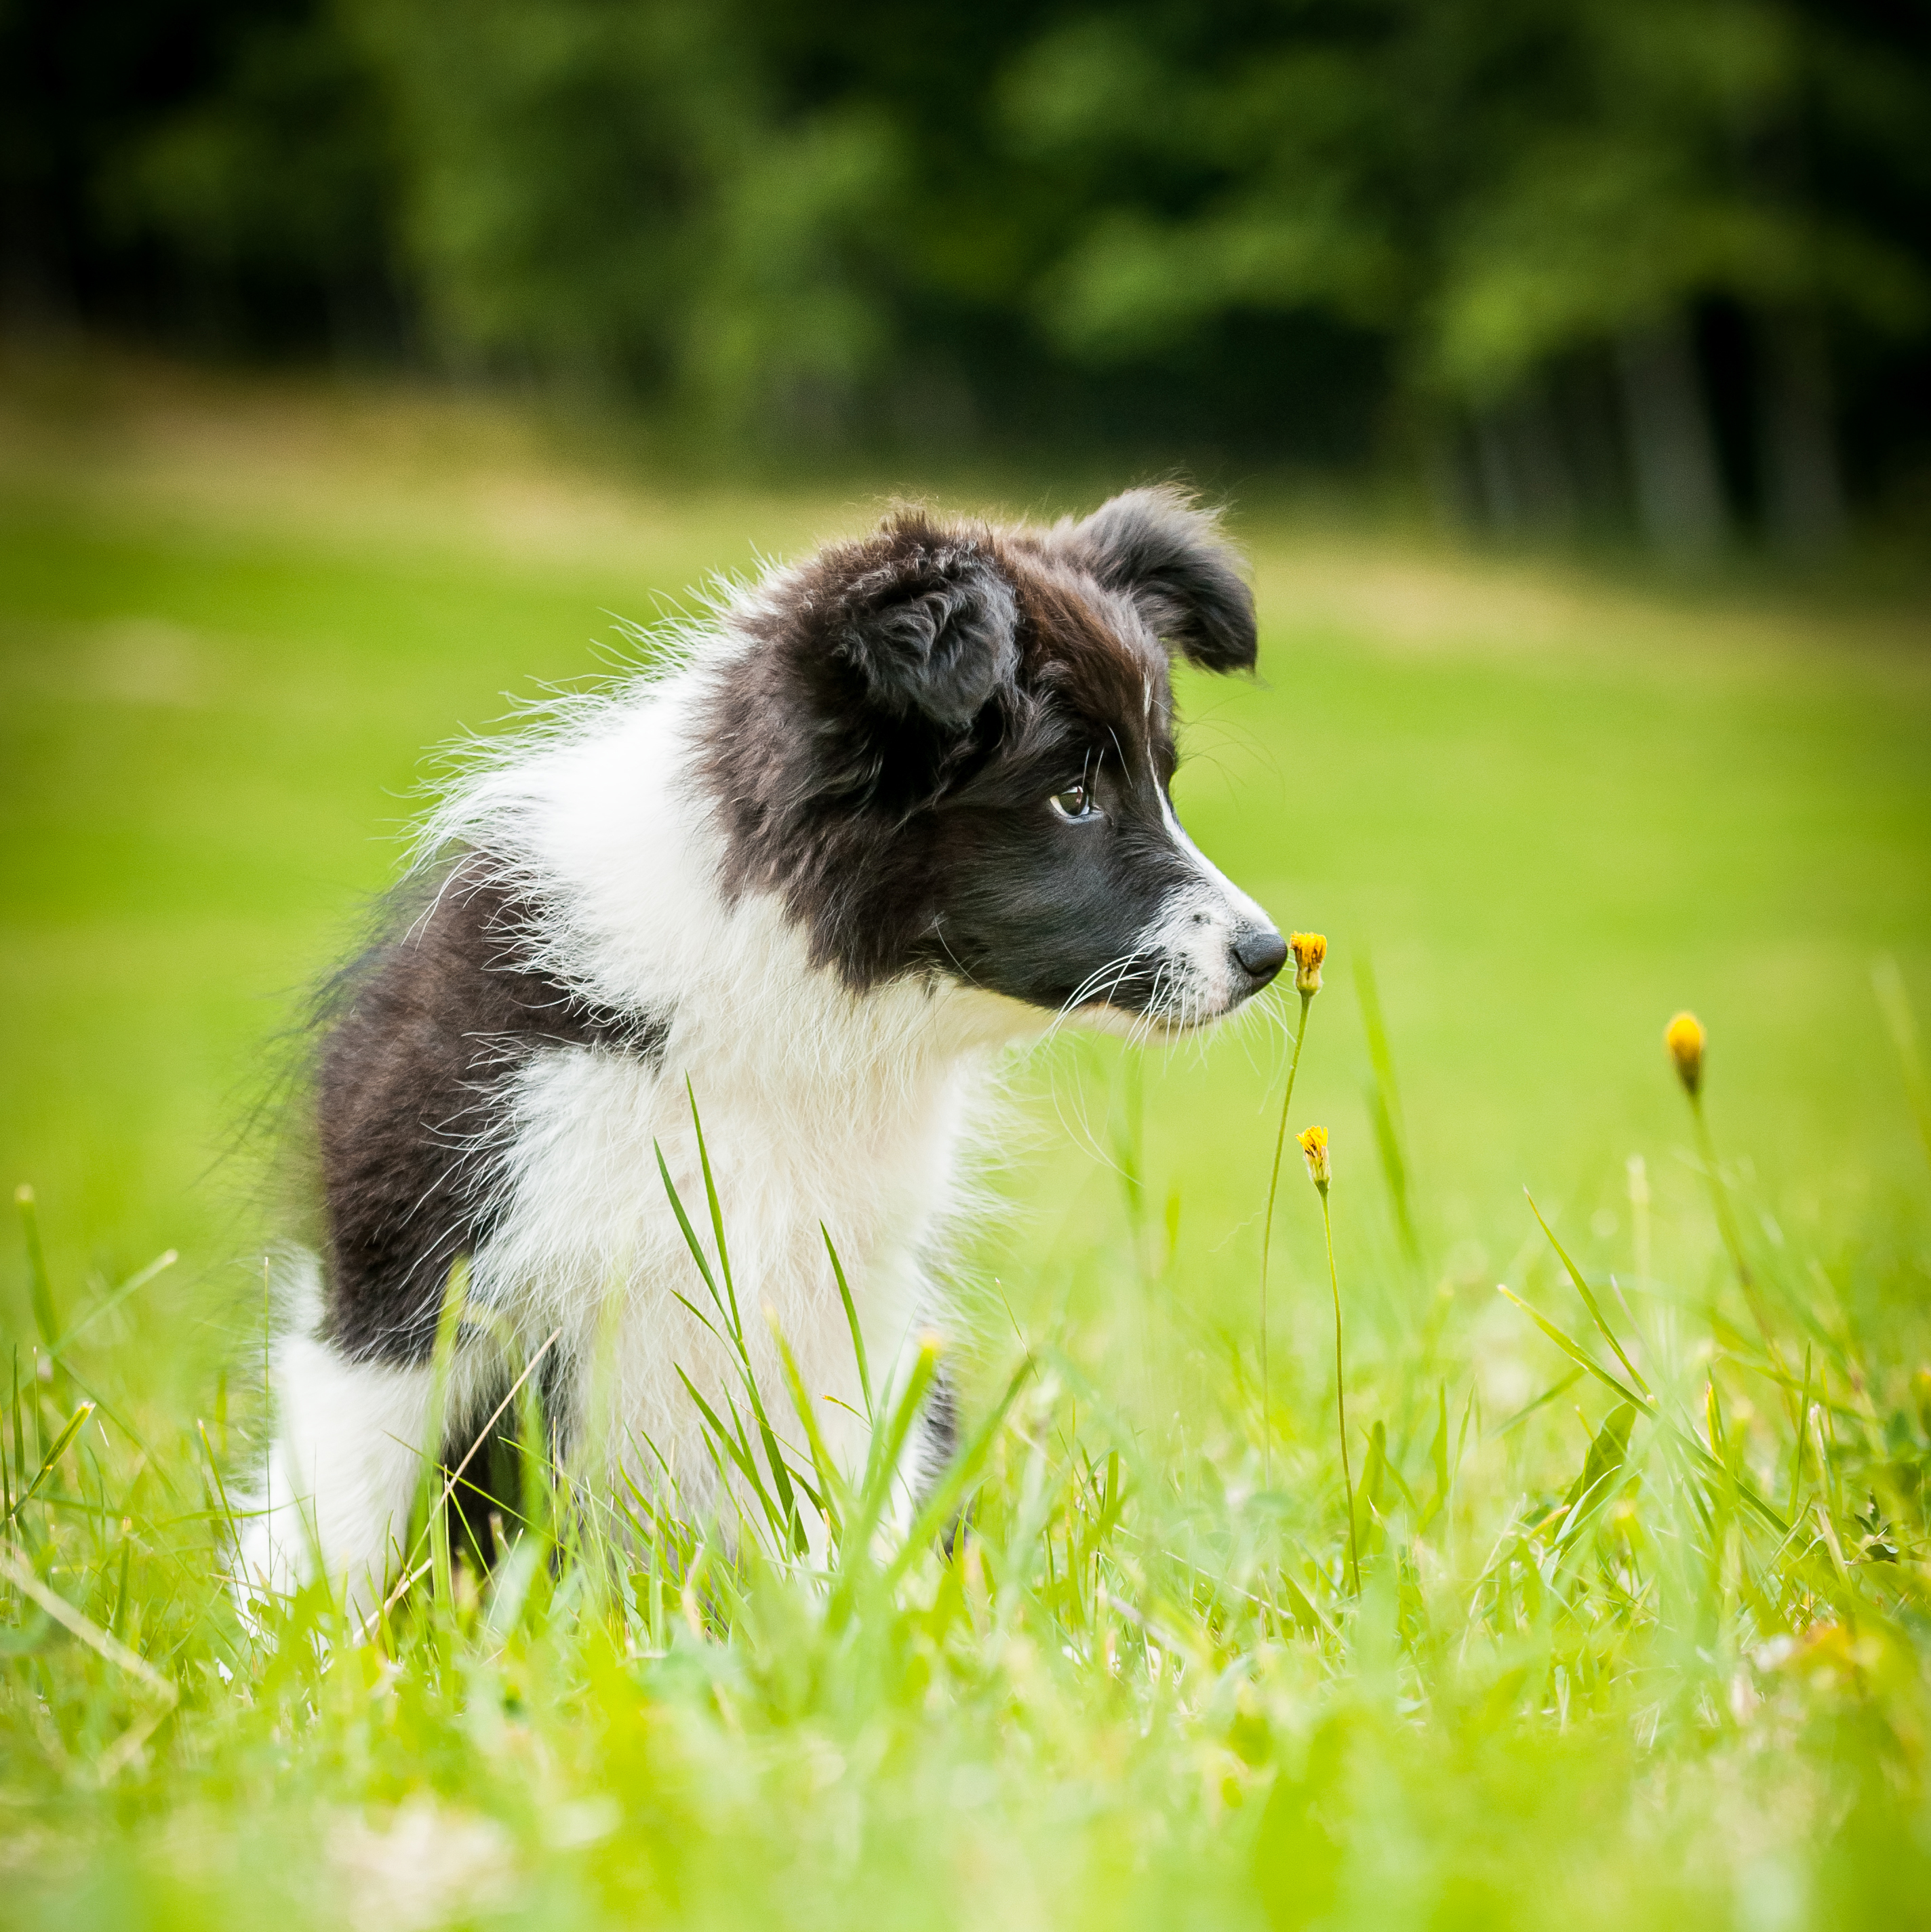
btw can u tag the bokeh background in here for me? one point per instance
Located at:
(1567, 367)
(1661, 266)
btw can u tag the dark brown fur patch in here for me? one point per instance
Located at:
(411, 1103)
(881, 756)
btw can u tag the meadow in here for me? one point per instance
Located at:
(1622, 1610)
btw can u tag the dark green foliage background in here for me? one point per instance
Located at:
(1334, 233)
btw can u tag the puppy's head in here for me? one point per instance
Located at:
(948, 748)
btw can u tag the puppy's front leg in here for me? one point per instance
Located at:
(348, 1455)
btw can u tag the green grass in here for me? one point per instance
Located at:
(1588, 1679)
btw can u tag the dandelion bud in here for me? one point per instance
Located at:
(1314, 1146)
(1684, 1038)
(1309, 949)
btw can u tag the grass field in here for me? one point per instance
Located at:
(1618, 1656)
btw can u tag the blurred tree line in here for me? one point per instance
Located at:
(1658, 265)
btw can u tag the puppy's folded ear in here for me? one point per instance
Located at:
(931, 625)
(1171, 559)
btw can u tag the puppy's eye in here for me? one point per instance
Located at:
(1075, 802)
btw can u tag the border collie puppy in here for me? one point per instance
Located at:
(893, 810)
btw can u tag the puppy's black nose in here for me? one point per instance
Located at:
(1262, 953)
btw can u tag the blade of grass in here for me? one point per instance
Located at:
(74, 1424)
(132, 1285)
(409, 1575)
(1608, 1452)
(787, 1520)
(716, 1212)
(442, 1363)
(689, 1233)
(832, 1483)
(1577, 1354)
(82, 1626)
(851, 1319)
(1548, 1395)
(1797, 1448)
(962, 1472)
(1588, 1300)
(739, 1347)
(738, 1448)
(888, 1445)
(709, 1326)
(227, 1514)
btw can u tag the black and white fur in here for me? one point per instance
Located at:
(892, 811)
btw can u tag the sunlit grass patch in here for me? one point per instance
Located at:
(1650, 1642)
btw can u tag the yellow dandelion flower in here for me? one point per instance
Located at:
(1684, 1038)
(1310, 948)
(1314, 1146)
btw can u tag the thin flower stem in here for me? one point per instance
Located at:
(1267, 1246)
(1341, 1395)
(1726, 1225)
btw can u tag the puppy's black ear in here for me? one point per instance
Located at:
(1171, 559)
(932, 625)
